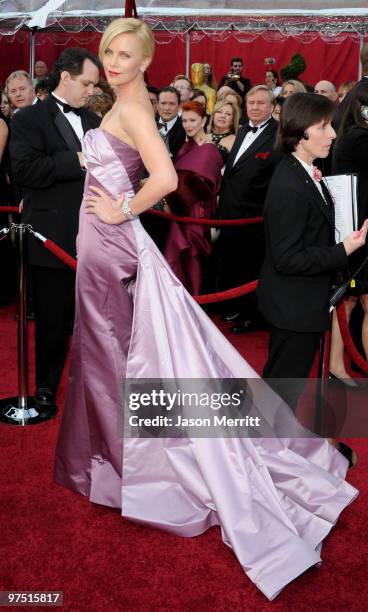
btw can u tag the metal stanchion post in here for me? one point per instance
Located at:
(22, 410)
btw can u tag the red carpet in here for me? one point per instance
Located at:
(53, 539)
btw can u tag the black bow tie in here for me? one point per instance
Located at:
(258, 127)
(162, 124)
(69, 109)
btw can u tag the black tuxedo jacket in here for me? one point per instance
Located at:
(244, 184)
(43, 150)
(176, 137)
(350, 155)
(301, 257)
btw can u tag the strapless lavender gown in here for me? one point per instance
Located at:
(275, 500)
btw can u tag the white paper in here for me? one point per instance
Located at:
(343, 190)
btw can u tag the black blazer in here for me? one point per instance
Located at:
(301, 257)
(244, 185)
(43, 150)
(350, 155)
(176, 137)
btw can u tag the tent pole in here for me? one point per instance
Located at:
(187, 54)
(32, 51)
(361, 43)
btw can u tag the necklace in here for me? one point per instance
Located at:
(217, 137)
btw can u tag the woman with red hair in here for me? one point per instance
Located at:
(198, 165)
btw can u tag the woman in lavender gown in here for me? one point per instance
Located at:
(274, 499)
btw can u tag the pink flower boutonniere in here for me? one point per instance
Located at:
(264, 155)
(317, 174)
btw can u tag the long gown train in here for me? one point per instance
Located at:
(274, 499)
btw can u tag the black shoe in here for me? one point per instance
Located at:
(245, 327)
(348, 453)
(46, 412)
(348, 383)
(45, 396)
(230, 317)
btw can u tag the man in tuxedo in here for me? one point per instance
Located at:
(172, 132)
(48, 164)
(247, 174)
(169, 122)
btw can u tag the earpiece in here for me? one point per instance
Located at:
(364, 112)
(305, 136)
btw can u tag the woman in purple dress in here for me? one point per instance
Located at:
(274, 499)
(198, 165)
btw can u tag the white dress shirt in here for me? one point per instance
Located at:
(169, 124)
(250, 137)
(309, 169)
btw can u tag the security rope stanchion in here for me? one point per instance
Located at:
(22, 410)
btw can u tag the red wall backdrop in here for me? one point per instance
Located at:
(336, 61)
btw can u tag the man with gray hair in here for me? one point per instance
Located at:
(248, 172)
(327, 89)
(20, 89)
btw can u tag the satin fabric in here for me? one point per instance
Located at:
(274, 499)
(199, 174)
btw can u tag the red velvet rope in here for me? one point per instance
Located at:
(229, 294)
(9, 209)
(158, 213)
(61, 254)
(201, 299)
(210, 222)
(346, 337)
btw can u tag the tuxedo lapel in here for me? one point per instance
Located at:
(259, 142)
(62, 125)
(67, 132)
(235, 148)
(325, 205)
(85, 123)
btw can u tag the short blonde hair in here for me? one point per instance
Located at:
(261, 88)
(18, 74)
(218, 106)
(128, 25)
(298, 86)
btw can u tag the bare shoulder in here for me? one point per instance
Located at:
(129, 118)
(136, 108)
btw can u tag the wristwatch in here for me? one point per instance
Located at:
(128, 211)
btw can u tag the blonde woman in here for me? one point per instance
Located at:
(290, 87)
(135, 322)
(223, 126)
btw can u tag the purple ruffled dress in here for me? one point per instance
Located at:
(274, 499)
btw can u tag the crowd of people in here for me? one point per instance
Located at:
(89, 157)
(221, 138)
